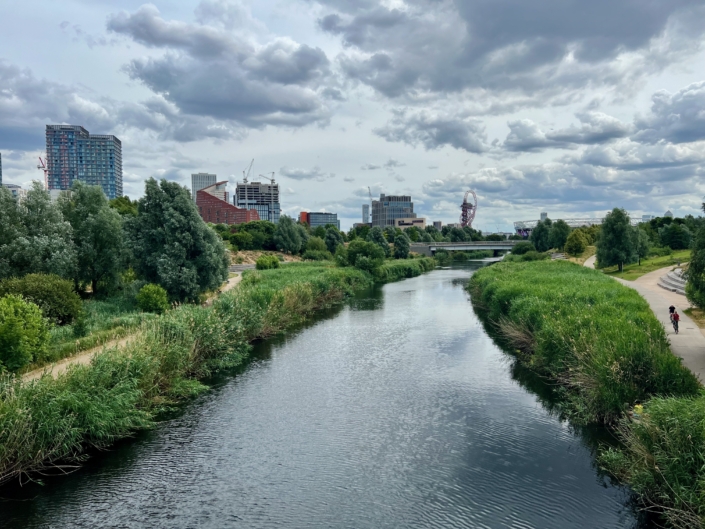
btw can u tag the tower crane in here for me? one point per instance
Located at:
(270, 179)
(246, 175)
(43, 167)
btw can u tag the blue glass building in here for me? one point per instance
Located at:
(74, 154)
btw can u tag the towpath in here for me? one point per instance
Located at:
(689, 343)
(85, 357)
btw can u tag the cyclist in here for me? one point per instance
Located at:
(671, 310)
(675, 318)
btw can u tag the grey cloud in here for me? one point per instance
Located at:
(348, 179)
(392, 163)
(370, 167)
(229, 15)
(677, 118)
(434, 130)
(632, 156)
(314, 173)
(595, 128)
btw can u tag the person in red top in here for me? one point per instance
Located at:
(675, 319)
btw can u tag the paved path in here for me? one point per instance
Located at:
(689, 343)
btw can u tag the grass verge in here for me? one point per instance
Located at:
(598, 339)
(635, 271)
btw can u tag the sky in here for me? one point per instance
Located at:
(564, 106)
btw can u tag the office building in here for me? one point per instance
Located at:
(213, 208)
(74, 154)
(403, 224)
(365, 213)
(391, 207)
(262, 197)
(201, 180)
(544, 215)
(438, 225)
(319, 219)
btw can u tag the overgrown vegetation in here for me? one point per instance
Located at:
(53, 295)
(598, 339)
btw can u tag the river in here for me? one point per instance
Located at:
(394, 410)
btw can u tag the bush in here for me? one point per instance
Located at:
(53, 295)
(660, 251)
(576, 243)
(24, 333)
(153, 298)
(267, 262)
(521, 248)
(367, 256)
(316, 244)
(317, 255)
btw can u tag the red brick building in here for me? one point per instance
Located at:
(213, 208)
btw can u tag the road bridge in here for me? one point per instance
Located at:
(430, 248)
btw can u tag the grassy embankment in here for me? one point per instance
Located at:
(635, 271)
(47, 424)
(598, 339)
(580, 259)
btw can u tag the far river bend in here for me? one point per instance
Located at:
(394, 410)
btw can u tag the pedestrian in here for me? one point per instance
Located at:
(675, 319)
(671, 310)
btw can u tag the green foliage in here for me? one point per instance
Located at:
(320, 231)
(341, 256)
(376, 236)
(695, 285)
(660, 251)
(243, 240)
(287, 236)
(576, 243)
(171, 244)
(364, 255)
(528, 256)
(598, 339)
(124, 206)
(390, 232)
(24, 333)
(267, 262)
(34, 238)
(541, 236)
(558, 234)
(316, 244)
(495, 237)
(404, 268)
(615, 245)
(675, 236)
(642, 243)
(333, 239)
(97, 235)
(401, 246)
(317, 255)
(152, 298)
(53, 295)
(521, 248)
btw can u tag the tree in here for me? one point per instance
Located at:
(523, 247)
(24, 333)
(97, 235)
(377, 237)
(333, 239)
(316, 244)
(124, 206)
(413, 233)
(457, 235)
(53, 295)
(171, 244)
(558, 234)
(495, 237)
(540, 236)
(676, 236)
(401, 246)
(615, 245)
(389, 233)
(287, 236)
(365, 255)
(320, 231)
(695, 275)
(576, 243)
(34, 237)
(642, 243)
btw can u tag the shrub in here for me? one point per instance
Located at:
(267, 262)
(366, 256)
(317, 255)
(316, 244)
(153, 298)
(576, 243)
(660, 251)
(53, 295)
(521, 248)
(24, 333)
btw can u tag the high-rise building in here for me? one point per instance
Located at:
(74, 154)
(438, 224)
(365, 213)
(315, 220)
(200, 181)
(391, 207)
(213, 208)
(544, 215)
(262, 197)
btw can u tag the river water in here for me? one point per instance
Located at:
(394, 410)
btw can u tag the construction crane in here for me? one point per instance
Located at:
(43, 167)
(270, 179)
(246, 175)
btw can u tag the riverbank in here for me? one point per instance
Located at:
(598, 339)
(47, 424)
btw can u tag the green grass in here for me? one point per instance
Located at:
(635, 271)
(598, 339)
(47, 423)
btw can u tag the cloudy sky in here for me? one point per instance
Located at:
(565, 106)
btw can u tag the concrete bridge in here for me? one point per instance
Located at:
(430, 249)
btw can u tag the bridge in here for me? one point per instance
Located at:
(430, 249)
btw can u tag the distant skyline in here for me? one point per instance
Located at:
(571, 108)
